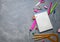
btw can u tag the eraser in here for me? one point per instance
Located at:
(45, 7)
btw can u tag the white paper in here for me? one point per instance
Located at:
(43, 21)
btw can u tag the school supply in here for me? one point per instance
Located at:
(43, 21)
(33, 25)
(49, 8)
(46, 36)
(53, 8)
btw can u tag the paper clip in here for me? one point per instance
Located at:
(44, 36)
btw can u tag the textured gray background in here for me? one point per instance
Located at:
(15, 20)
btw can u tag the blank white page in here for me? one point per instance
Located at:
(43, 21)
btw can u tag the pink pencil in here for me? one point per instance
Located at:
(33, 25)
(49, 8)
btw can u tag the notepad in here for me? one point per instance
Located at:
(43, 21)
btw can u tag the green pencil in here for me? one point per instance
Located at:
(53, 8)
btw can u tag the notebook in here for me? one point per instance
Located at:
(43, 21)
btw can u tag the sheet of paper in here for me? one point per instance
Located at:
(43, 21)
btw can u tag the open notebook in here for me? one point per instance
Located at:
(43, 21)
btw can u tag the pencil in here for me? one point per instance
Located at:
(53, 8)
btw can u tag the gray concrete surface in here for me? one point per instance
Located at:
(15, 20)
